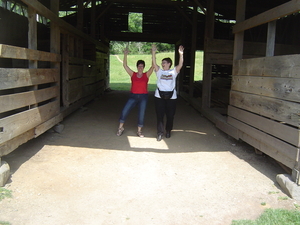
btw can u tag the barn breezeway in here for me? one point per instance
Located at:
(88, 175)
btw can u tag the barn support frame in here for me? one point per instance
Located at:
(264, 129)
(260, 64)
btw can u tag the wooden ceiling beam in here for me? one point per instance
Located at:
(142, 37)
(154, 2)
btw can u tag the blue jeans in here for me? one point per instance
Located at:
(135, 99)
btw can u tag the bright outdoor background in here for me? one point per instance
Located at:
(120, 80)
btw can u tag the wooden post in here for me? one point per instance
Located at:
(270, 48)
(193, 52)
(32, 42)
(239, 37)
(32, 34)
(65, 69)
(55, 39)
(209, 33)
(93, 19)
(80, 15)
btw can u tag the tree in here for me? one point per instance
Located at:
(135, 22)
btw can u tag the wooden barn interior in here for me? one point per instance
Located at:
(54, 58)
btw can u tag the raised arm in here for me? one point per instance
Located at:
(128, 70)
(150, 71)
(154, 64)
(180, 64)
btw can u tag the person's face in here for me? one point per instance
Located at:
(165, 65)
(140, 68)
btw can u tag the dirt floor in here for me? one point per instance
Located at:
(88, 175)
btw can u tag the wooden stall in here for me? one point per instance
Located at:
(29, 100)
(264, 97)
(46, 77)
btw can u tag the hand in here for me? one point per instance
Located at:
(126, 51)
(180, 50)
(154, 48)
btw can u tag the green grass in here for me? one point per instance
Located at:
(4, 193)
(119, 79)
(273, 217)
(4, 223)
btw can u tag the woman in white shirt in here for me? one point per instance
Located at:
(165, 94)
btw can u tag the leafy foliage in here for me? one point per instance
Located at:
(135, 22)
(117, 47)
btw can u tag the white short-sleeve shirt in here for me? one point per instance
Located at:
(166, 81)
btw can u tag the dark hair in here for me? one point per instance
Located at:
(169, 60)
(140, 62)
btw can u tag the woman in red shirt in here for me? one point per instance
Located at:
(138, 96)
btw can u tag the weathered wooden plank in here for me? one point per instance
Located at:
(273, 153)
(250, 49)
(90, 89)
(281, 88)
(286, 133)
(40, 129)
(75, 88)
(270, 15)
(276, 66)
(80, 61)
(9, 51)
(272, 108)
(14, 78)
(270, 49)
(214, 58)
(89, 80)
(227, 128)
(17, 124)
(281, 151)
(76, 105)
(19, 100)
(75, 71)
(10, 145)
(89, 70)
(44, 11)
(65, 69)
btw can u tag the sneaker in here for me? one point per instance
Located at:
(159, 137)
(120, 131)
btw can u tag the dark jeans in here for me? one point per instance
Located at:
(165, 107)
(135, 99)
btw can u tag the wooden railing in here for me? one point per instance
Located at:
(29, 98)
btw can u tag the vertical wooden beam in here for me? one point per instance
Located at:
(32, 42)
(93, 19)
(4, 4)
(66, 40)
(209, 34)
(239, 37)
(55, 40)
(176, 60)
(80, 15)
(32, 33)
(54, 29)
(270, 48)
(193, 52)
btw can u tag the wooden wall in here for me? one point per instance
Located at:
(84, 71)
(264, 97)
(38, 88)
(265, 103)
(29, 97)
